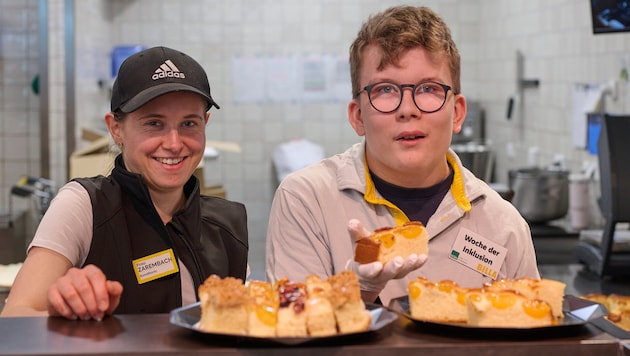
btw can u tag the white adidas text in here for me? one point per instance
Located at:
(168, 74)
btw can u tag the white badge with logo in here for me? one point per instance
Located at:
(478, 253)
(155, 266)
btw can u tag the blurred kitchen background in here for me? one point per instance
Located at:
(531, 69)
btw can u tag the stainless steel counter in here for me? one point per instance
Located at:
(153, 334)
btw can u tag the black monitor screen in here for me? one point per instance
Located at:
(614, 166)
(610, 16)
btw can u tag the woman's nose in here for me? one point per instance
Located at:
(172, 139)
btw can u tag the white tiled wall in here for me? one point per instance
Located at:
(553, 35)
(57, 91)
(19, 105)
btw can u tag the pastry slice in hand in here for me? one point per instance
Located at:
(386, 243)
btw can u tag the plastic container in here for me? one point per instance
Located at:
(120, 53)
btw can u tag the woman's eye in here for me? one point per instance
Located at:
(153, 123)
(190, 123)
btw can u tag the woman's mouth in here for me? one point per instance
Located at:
(170, 161)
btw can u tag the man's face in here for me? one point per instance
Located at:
(407, 147)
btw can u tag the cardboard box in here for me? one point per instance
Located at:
(212, 190)
(92, 160)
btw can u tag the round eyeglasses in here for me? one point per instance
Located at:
(386, 97)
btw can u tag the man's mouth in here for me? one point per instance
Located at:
(409, 138)
(170, 161)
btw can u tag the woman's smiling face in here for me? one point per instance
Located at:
(164, 140)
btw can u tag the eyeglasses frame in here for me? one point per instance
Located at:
(368, 89)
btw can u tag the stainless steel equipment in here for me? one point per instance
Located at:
(608, 257)
(41, 190)
(476, 157)
(474, 127)
(540, 194)
(12, 237)
(470, 143)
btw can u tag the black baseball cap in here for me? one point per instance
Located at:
(156, 71)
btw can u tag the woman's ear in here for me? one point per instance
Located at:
(459, 113)
(355, 118)
(114, 127)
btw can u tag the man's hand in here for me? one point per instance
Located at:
(84, 293)
(374, 276)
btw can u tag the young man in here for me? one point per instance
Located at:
(407, 103)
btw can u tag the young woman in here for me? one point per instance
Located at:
(142, 239)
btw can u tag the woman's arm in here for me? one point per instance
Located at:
(28, 295)
(48, 282)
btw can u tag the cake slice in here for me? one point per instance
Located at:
(618, 307)
(619, 310)
(386, 243)
(617, 303)
(291, 313)
(263, 309)
(597, 298)
(320, 318)
(507, 309)
(443, 301)
(548, 290)
(223, 305)
(622, 319)
(345, 297)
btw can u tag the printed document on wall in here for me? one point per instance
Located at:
(249, 81)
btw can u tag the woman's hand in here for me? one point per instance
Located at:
(83, 293)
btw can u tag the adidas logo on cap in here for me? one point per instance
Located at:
(136, 83)
(167, 70)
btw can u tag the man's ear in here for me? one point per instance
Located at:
(355, 118)
(459, 113)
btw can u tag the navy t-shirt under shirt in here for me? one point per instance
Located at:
(417, 203)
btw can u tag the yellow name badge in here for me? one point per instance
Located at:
(155, 266)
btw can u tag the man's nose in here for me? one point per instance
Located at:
(408, 102)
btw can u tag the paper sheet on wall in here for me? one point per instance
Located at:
(249, 83)
(325, 78)
(314, 78)
(290, 78)
(339, 84)
(586, 99)
(280, 78)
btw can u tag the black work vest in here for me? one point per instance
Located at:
(208, 235)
